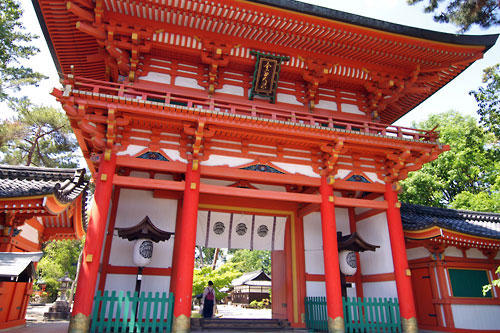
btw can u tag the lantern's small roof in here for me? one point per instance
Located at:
(480, 224)
(65, 278)
(144, 229)
(354, 242)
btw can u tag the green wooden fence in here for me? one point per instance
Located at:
(360, 315)
(131, 313)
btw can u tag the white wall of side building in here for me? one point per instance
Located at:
(417, 253)
(485, 317)
(133, 207)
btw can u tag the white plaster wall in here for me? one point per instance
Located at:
(187, 82)
(131, 150)
(305, 170)
(174, 155)
(119, 282)
(374, 230)
(417, 253)
(233, 90)
(351, 108)
(162, 176)
(215, 160)
(157, 77)
(140, 174)
(380, 289)
(313, 244)
(452, 251)
(329, 105)
(342, 220)
(313, 240)
(312, 232)
(373, 177)
(475, 254)
(287, 98)
(314, 262)
(134, 205)
(315, 288)
(351, 292)
(476, 317)
(29, 233)
(341, 174)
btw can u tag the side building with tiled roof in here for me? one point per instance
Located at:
(452, 254)
(251, 286)
(36, 205)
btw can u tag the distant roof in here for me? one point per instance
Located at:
(23, 181)
(416, 217)
(251, 278)
(15, 263)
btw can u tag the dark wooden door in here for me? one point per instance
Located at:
(422, 289)
(278, 270)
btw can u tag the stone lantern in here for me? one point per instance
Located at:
(61, 308)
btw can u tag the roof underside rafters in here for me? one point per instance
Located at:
(355, 52)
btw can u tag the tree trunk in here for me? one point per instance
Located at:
(201, 256)
(73, 285)
(32, 148)
(216, 254)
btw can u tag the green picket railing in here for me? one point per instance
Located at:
(131, 313)
(360, 315)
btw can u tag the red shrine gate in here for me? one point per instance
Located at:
(281, 108)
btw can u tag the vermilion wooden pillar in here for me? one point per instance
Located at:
(401, 268)
(185, 259)
(80, 317)
(331, 258)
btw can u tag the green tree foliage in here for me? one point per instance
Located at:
(488, 100)
(221, 277)
(15, 45)
(494, 283)
(58, 258)
(39, 136)
(469, 168)
(463, 13)
(249, 261)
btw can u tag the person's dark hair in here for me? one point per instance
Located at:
(210, 283)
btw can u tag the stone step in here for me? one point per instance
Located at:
(198, 324)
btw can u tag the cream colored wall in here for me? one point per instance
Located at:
(313, 247)
(133, 206)
(485, 317)
(374, 230)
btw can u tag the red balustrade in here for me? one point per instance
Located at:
(128, 94)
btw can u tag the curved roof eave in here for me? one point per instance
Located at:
(304, 8)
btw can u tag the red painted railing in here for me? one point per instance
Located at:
(274, 112)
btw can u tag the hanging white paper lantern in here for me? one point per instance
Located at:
(143, 251)
(347, 261)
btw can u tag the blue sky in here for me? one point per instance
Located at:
(453, 96)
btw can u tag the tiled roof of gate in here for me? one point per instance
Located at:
(22, 181)
(416, 217)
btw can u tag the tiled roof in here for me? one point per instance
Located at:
(415, 217)
(22, 181)
(250, 276)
